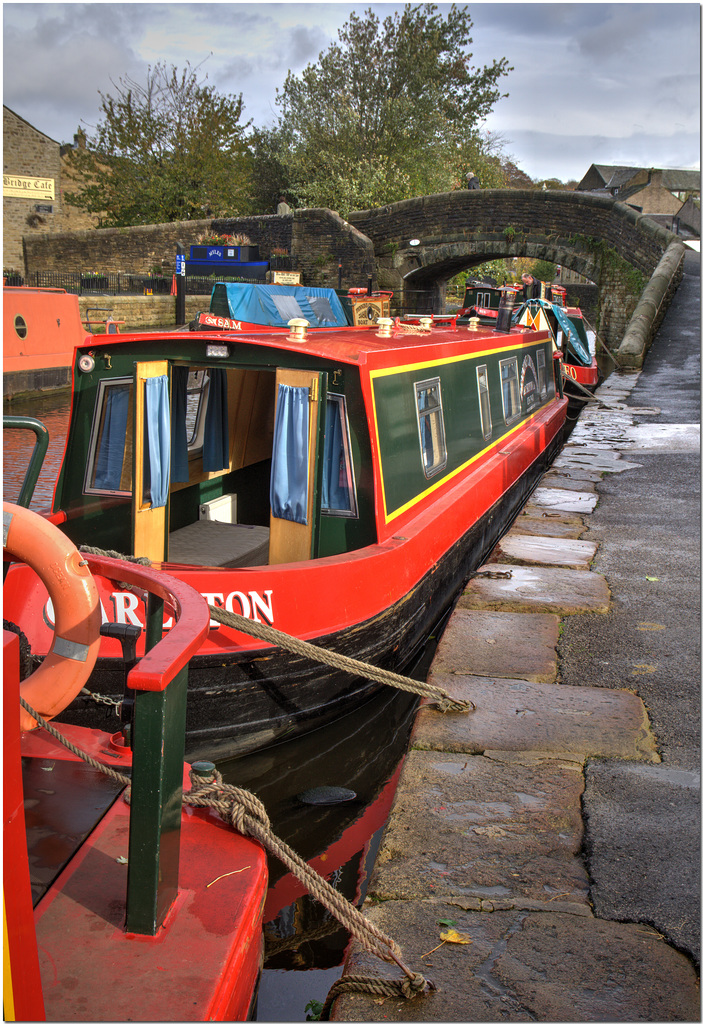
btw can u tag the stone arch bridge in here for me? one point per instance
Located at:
(604, 240)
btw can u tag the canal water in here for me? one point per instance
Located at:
(352, 765)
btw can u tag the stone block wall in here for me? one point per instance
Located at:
(318, 241)
(140, 311)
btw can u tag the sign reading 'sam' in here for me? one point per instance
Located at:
(27, 188)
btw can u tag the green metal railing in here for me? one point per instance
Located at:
(36, 461)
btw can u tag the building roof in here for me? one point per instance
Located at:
(681, 180)
(25, 121)
(610, 177)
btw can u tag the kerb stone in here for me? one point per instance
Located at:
(498, 644)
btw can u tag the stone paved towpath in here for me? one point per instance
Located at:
(542, 858)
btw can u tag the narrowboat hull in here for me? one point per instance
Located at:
(419, 447)
(106, 898)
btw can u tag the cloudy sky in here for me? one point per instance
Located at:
(592, 83)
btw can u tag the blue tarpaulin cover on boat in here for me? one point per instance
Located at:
(275, 304)
(579, 349)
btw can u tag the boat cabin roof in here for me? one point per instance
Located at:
(356, 346)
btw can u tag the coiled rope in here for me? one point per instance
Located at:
(247, 815)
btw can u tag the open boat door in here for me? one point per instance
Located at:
(152, 460)
(295, 470)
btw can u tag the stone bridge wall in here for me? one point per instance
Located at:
(606, 241)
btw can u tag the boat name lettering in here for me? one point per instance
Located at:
(129, 608)
(568, 370)
(220, 321)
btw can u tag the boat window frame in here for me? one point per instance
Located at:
(515, 393)
(542, 373)
(104, 386)
(353, 511)
(438, 412)
(482, 371)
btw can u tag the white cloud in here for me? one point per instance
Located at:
(608, 83)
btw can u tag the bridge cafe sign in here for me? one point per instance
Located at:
(27, 188)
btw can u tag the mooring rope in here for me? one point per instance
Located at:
(247, 815)
(438, 697)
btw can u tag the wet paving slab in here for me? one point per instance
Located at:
(536, 521)
(504, 587)
(557, 552)
(523, 965)
(515, 714)
(495, 643)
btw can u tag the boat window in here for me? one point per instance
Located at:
(430, 420)
(510, 389)
(109, 469)
(541, 373)
(484, 401)
(338, 487)
(198, 384)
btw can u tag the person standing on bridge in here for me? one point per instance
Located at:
(472, 181)
(283, 209)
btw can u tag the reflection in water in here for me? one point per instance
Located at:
(17, 445)
(363, 751)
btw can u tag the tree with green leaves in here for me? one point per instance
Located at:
(169, 148)
(391, 110)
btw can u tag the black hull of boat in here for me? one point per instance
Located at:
(244, 702)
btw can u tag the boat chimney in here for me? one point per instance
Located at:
(298, 329)
(505, 312)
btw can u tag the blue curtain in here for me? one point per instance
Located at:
(179, 433)
(335, 484)
(158, 423)
(216, 437)
(289, 466)
(108, 468)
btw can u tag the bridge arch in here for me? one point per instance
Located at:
(598, 237)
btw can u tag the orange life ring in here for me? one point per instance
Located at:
(72, 589)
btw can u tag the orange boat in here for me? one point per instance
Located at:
(41, 328)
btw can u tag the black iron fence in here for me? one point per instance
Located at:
(118, 284)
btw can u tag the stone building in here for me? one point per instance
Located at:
(34, 181)
(670, 196)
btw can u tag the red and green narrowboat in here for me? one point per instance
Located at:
(338, 484)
